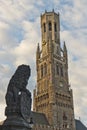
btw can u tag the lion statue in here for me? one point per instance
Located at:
(16, 89)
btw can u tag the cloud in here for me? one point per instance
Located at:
(2, 106)
(4, 77)
(76, 44)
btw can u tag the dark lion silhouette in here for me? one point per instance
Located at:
(17, 93)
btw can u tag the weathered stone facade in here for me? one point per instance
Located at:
(53, 95)
(44, 127)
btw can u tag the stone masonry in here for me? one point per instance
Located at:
(53, 95)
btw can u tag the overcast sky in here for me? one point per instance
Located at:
(20, 33)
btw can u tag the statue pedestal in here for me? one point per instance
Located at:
(15, 123)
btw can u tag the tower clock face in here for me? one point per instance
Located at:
(61, 84)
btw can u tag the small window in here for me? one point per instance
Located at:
(45, 69)
(57, 51)
(44, 26)
(64, 116)
(57, 69)
(61, 70)
(41, 70)
(50, 26)
(55, 27)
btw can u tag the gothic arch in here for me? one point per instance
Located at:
(55, 27)
(45, 68)
(41, 70)
(50, 26)
(44, 27)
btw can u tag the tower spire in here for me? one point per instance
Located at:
(65, 53)
(38, 52)
(64, 47)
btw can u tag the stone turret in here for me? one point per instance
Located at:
(65, 53)
(38, 52)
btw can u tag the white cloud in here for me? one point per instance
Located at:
(26, 49)
(2, 106)
(76, 44)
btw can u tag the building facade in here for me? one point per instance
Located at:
(53, 95)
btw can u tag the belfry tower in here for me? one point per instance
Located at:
(53, 95)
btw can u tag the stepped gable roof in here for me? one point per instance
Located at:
(39, 118)
(80, 125)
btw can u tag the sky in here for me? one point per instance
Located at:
(20, 33)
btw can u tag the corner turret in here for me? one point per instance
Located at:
(38, 52)
(65, 53)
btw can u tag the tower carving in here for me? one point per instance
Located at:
(53, 95)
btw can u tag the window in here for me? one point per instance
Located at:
(61, 70)
(57, 51)
(50, 26)
(41, 70)
(45, 69)
(64, 116)
(44, 26)
(57, 69)
(55, 27)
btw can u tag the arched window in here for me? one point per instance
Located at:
(55, 27)
(61, 71)
(45, 69)
(64, 116)
(50, 26)
(57, 69)
(44, 26)
(41, 70)
(57, 50)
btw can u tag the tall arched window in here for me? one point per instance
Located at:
(55, 27)
(57, 69)
(45, 69)
(50, 26)
(44, 27)
(61, 71)
(41, 70)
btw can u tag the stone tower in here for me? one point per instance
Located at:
(53, 95)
